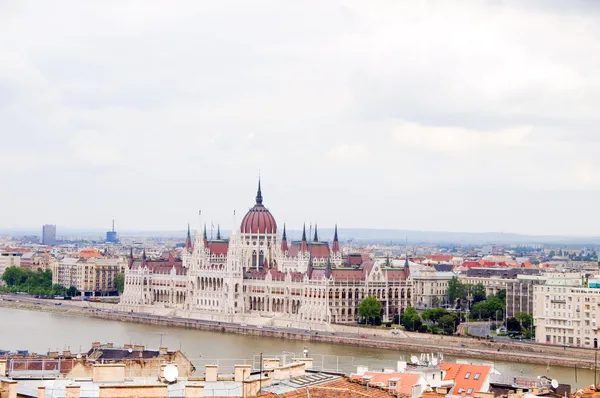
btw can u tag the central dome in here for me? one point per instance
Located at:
(259, 219)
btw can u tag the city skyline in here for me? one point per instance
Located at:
(470, 117)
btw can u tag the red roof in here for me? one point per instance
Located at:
(316, 249)
(466, 377)
(218, 248)
(259, 219)
(347, 274)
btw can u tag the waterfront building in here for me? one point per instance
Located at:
(257, 275)
(9, 259)
(430, 286)
(565, 313)
(35, 260)
(90, 275)
(49, 235)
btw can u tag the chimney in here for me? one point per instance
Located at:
(127, 346)
(96, 344)
(72, 391)
(138, 347)
(109, 345)
(163, 351)
(66, 354)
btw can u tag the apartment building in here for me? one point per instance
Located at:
(92, 276)
(9, 259)
(566, 314)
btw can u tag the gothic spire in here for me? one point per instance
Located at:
(131, 252)
(284, 234)
(205, 236)
(328, 268)
(336, 244)
(316, 238)
(284, 245)
(144, 256)
(188, 239)
(304, 232)
(259, 198)
(218, 231)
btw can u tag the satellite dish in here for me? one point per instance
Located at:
(554, 383)
(171, 373)
(434, 362)
(130, 350)
(78, 356)
(414, 359)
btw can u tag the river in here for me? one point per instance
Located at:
(42, 332)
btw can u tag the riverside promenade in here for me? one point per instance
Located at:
(350, 335)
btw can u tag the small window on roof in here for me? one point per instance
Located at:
(469, 391)
(467, 375)
(461, 390)
(477, 376)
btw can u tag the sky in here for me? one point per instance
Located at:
(477, 116)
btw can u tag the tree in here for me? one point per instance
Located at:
(513, 325)
(448, 323)
(14, 276)
(525, 319)
(120, 282)
(456, 290)
(478, 293)
(369, 308)
(502, 295)
(411, 319)
(434, 314)
(72, 291)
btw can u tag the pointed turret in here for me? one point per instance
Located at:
(336, 245)
(387, 261)
(316, 237)
(259, 198)
(131, 252)
(218, 232)
(188, 240)
(144, 257)
(328, 268)
(303, 244)
(309, 271)
(205, 236)
(284, 245)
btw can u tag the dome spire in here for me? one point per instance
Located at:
(259, 198)
(284, 245)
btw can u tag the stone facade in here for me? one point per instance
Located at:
(257, 274)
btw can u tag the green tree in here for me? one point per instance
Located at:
(502, 295)
(513, 325)
(448, 323)
(411, 319)
(434, 314)
(525, 319)
(14, 276)
(72, 291)
(369, 308)
(456, 290)
(120, 282)
(478, 293)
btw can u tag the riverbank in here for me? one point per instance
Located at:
(410, 342)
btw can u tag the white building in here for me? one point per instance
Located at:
(258, 276)
(566, 313)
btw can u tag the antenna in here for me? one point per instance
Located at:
(171, 373)
(113, 226)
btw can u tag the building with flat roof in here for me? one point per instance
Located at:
(49, 235)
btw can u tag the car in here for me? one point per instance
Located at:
(57, 303)
(258, 326)
(363, 336)
(37, 302)
(243, 325)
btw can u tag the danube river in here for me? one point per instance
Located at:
(42, 331)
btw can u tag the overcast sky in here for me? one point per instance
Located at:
(456, 116)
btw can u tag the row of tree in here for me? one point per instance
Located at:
(38, 282)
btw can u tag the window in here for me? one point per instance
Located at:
(461, 390)
(467, 375)
(469, 391)
(477, 376)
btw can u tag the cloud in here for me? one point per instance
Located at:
(418, 114)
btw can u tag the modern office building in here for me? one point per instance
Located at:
(49, 235)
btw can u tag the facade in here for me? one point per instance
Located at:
(9, 259)
(91, 276)
(49, 235)
(566, 314)
(430, 287)
(257, 275)
(38, 260)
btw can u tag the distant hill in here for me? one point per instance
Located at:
(396, 236)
